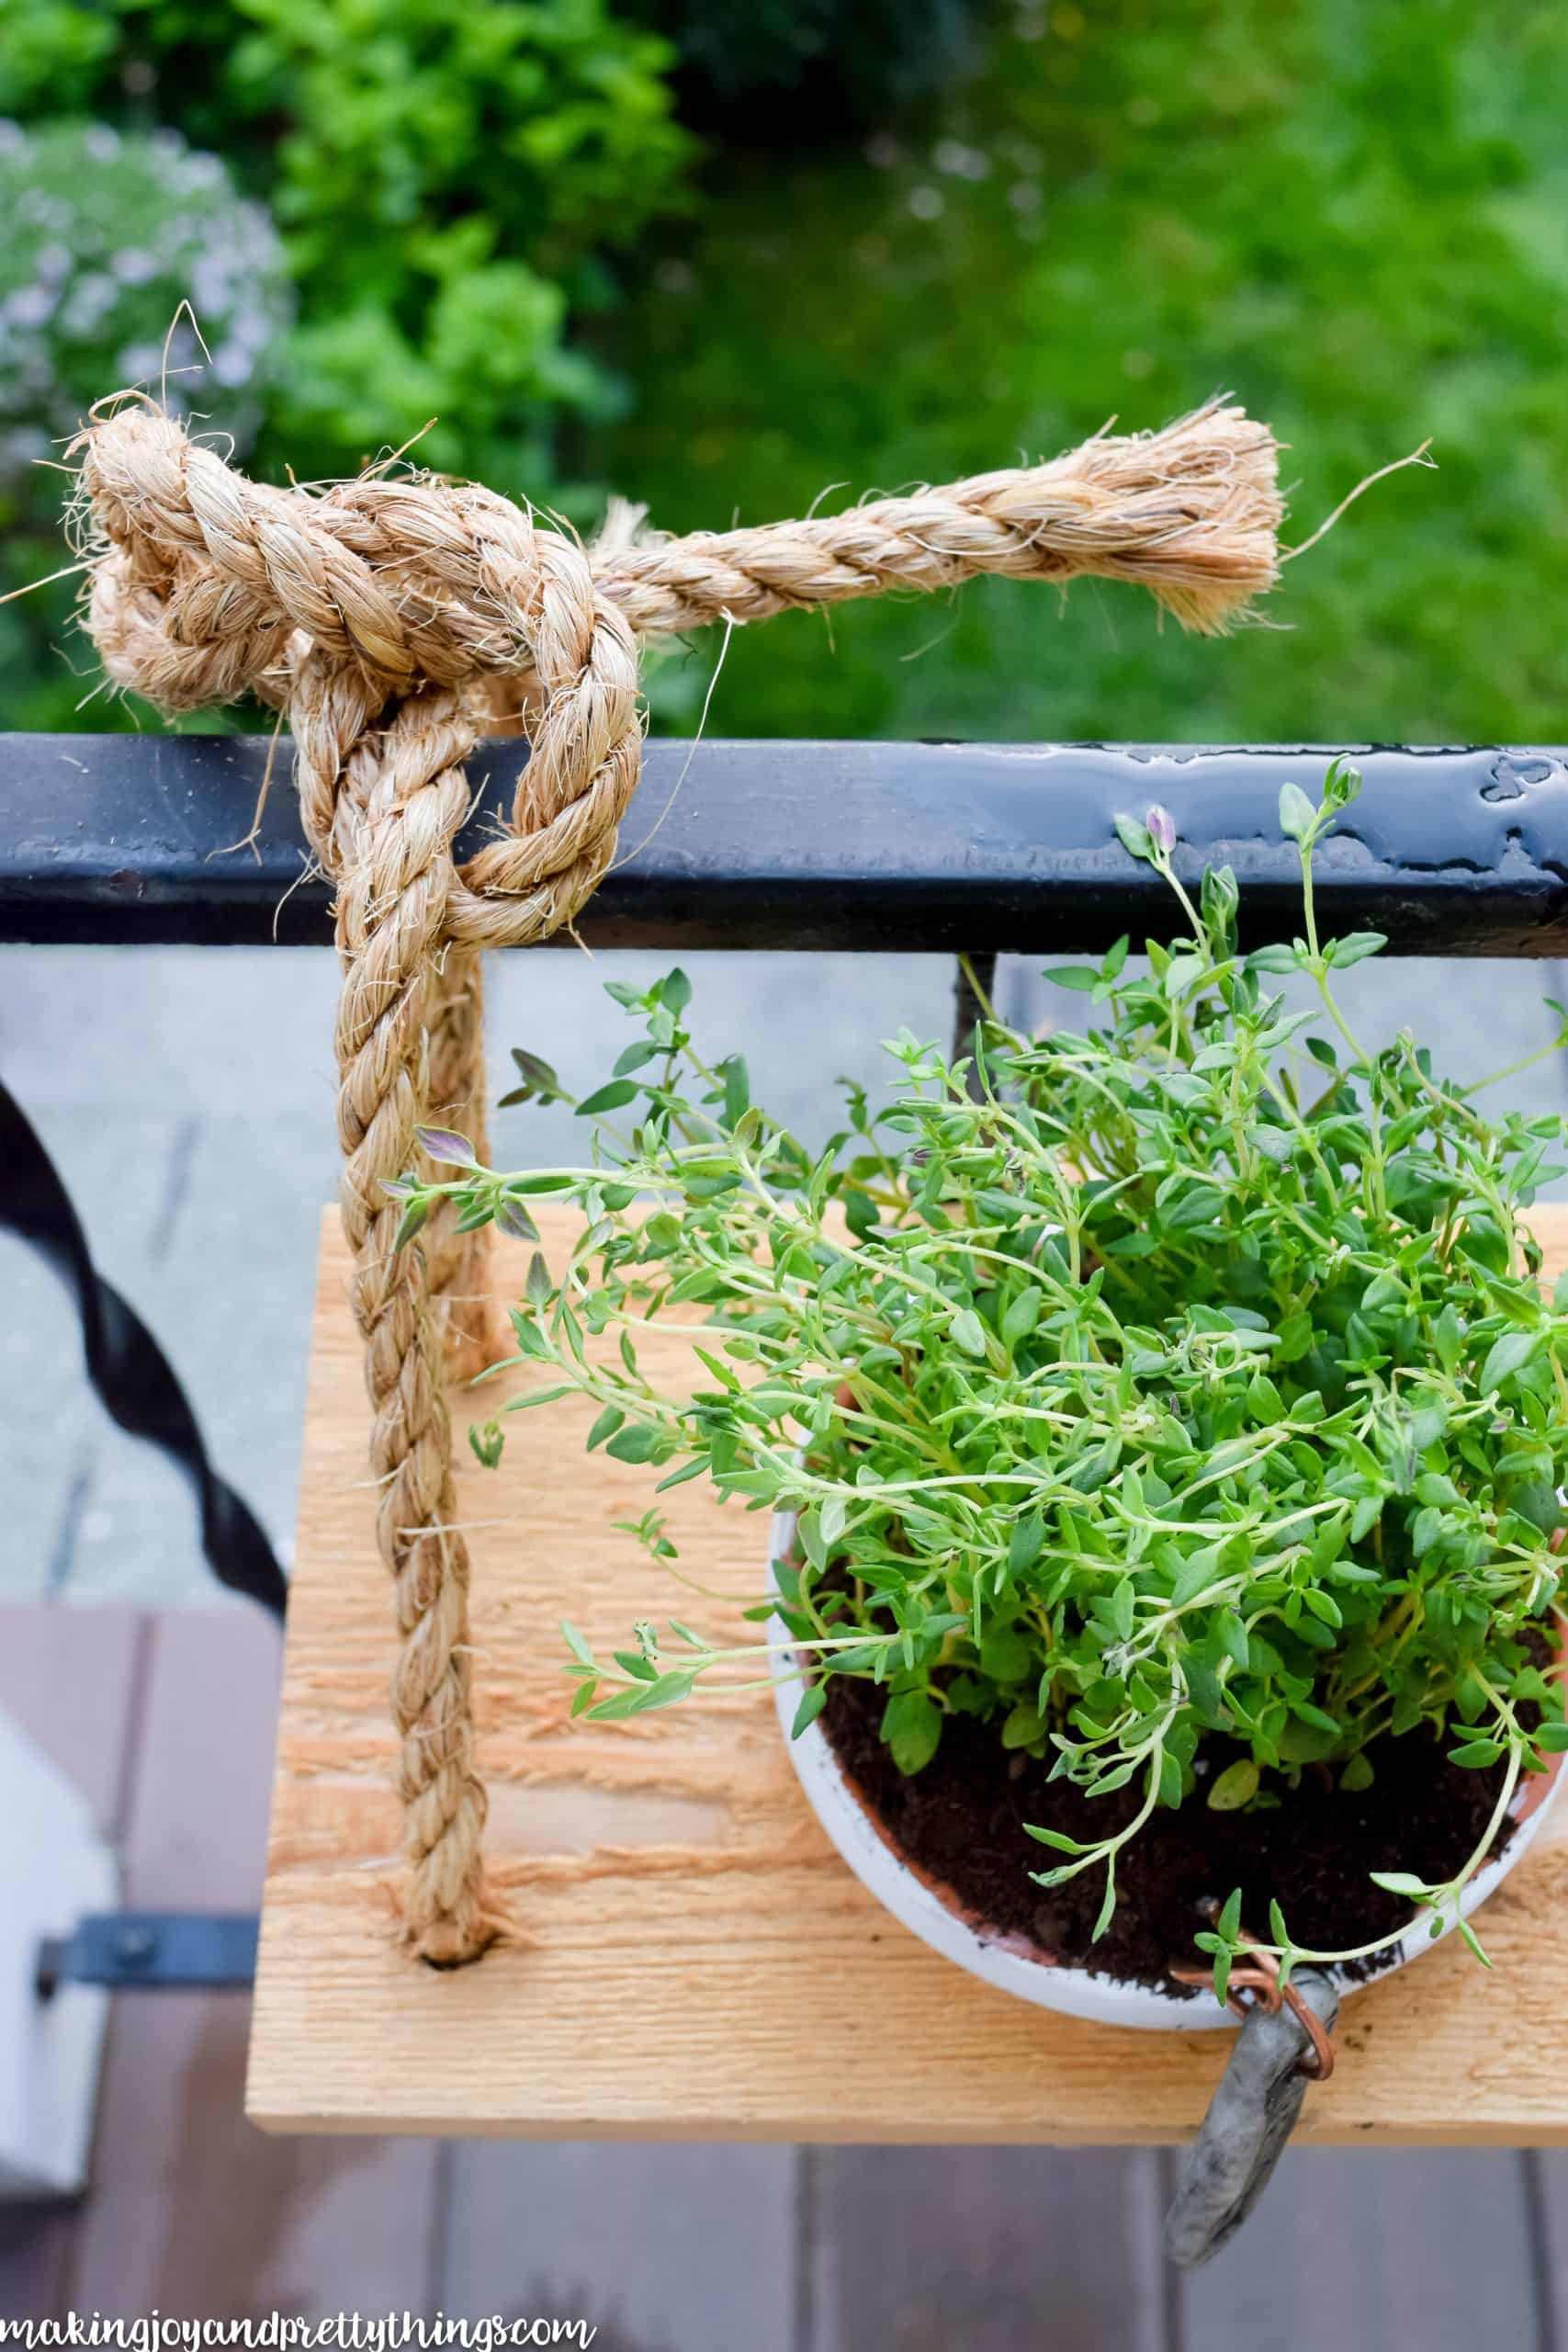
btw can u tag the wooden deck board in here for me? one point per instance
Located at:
(695, 1938)
(190, 2210)
(1431, 2247)
(692, 2249)
(921, 2249)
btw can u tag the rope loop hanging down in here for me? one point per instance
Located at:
(392, 620)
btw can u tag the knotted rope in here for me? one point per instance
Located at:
(389, 618)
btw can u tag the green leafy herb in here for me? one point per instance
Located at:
(1185, 1382)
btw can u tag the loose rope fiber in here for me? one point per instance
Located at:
(392, 620)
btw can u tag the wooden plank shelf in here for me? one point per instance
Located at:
(704, 1966)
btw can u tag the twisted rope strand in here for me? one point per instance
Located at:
(1191, 514)
(395, 621)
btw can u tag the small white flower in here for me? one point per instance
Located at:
(135, 266)
(139, 363)
(29, 306)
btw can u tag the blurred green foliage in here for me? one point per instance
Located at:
(1355, 218)
(449, 180)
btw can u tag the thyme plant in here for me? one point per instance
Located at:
(1190, 1377)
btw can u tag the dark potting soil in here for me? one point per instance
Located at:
(962, 1821)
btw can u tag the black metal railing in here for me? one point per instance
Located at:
(983, 848)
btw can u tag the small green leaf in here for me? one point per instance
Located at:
(513, 1218)
(537, 1076)
(1023, 1545)
(737, 1090)
(1297, 815)
(812, 1701)
(1135, 837)
(634, 1445)
(1236, 1786)
(1354, 948)
(619, 1091)
(1057, 1838)
(688, 1470)
(911, 1726)
(413, 1216)
(1005, 1654)
(1021, 1317)
(969, 1332)
(671, 1687)
(1508, 1355)
(1469, 1937)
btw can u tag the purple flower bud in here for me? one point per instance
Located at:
(1162, 829)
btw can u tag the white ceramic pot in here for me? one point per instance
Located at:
(932, 1911)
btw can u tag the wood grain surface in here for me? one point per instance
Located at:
(699, 1962)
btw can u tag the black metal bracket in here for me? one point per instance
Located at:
(164, 1951)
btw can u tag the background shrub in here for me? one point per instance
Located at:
(447, 180)
(106, 236)
(924, 236)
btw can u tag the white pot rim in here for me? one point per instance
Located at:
(1010, 1963)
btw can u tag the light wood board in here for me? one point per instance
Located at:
(702, 1964)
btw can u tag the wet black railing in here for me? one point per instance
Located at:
(986, 848)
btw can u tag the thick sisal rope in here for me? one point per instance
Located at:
(391, 619)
